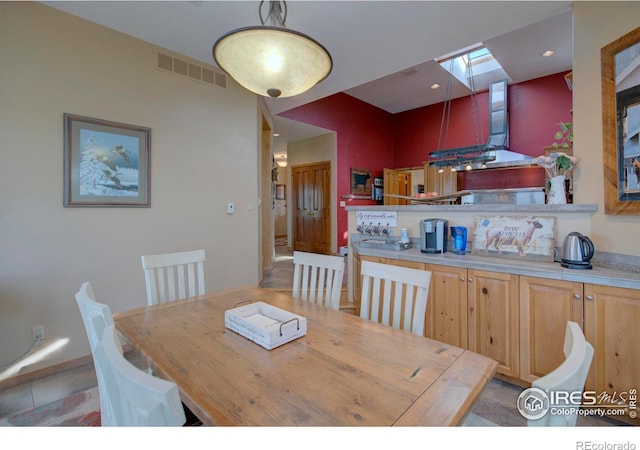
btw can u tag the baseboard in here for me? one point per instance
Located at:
(45, 371)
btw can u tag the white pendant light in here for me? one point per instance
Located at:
(272, 60)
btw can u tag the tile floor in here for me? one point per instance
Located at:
(70, 397)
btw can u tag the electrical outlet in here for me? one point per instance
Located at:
(37, 332)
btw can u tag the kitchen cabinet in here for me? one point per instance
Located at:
(545, 307)
(612, 326)
(444, 182)
(493, 318)
(446, 319)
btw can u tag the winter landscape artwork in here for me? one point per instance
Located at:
(106, 163)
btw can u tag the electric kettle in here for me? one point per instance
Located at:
(577, 251)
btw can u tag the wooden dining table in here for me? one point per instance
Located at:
(345, 371)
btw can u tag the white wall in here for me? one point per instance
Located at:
(317, 149)
(204, 142)
(597, 24)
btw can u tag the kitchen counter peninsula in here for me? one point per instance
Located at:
(599, 275)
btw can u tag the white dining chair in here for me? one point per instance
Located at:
(174, 276)
(569, 376)
(318, 278)
(96, 317)
(141, 400)
(394, 296)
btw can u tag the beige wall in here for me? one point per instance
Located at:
(320, 148)
(203, 154)
(596, 24)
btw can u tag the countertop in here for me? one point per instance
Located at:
(597, 275)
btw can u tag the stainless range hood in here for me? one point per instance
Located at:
(506, 159)
(492, 155)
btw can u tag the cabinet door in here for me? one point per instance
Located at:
(446, 319)
(493, 318)
(444, 182)
(611, 325)
(545, 307)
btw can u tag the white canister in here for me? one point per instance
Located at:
(404, 236)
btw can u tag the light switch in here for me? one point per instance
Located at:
(230, 208)
(343, 204)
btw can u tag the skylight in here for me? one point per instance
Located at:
(470, 63)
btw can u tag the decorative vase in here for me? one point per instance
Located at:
(557, 194)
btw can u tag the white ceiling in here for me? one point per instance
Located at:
(382, 51)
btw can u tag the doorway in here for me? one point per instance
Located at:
(311, 207)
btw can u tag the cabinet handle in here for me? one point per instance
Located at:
(470, 279)
(462, 279)
(577, 296)
(589, 297)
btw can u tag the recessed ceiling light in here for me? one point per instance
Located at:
(435, 86)
(548, 53)
(276, 134)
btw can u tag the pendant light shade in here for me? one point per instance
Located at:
(272, 60)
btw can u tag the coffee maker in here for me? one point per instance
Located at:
(433, 235)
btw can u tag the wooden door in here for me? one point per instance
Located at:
(493, 319)
(545, 307)
(311, 195)
(397, 182)
(447, 305)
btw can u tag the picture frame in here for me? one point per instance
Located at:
(106, 163)
(361, 182)
(620, 132)
(281, 192)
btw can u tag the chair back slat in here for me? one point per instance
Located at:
(394, 296)
(174, 276)
(318, 278)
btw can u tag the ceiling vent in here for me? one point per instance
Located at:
(191, 70)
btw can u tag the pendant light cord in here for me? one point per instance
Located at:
(474, 103)
(446, 110)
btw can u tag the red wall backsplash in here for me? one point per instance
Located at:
(371, 138)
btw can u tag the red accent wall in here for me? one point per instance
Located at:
(371, 138)
(364, 141)
(536, 108)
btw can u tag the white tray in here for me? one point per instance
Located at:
(265, 325)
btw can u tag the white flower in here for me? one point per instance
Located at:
(557, 163)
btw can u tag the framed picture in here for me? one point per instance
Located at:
(280, 192)
(105, 163)
(621, 124)
(360, 182)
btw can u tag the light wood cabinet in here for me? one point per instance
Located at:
(612, 326)
(446, 319)
(493, 320)
(545, 307)
(444, 182)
